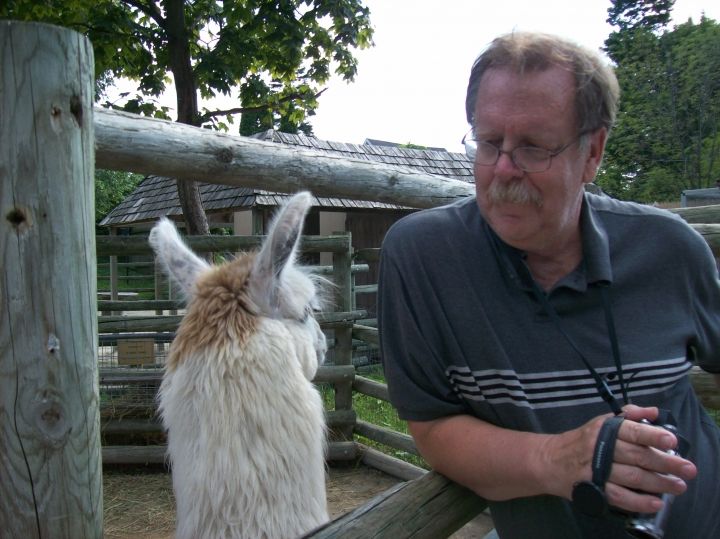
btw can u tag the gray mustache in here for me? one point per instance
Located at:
(515, 192)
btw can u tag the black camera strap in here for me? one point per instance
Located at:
(602, 387)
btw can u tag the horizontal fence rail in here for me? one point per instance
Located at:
(117, 324)
(134, 143)
(429, 507)
(390, 465)
(386, 436)
(113, 375)
(138, 245)
(136, 425)
(157, 454)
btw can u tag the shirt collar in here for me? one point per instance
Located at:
(596, 245)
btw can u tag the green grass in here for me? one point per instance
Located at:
(380, 413)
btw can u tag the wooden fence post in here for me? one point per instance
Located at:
(50, 459)
(342, 266)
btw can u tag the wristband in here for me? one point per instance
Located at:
(589, 497)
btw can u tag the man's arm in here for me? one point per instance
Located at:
(501, 464)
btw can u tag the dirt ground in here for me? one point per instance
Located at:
(139, 501)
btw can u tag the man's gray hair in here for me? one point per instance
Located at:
(597, 90)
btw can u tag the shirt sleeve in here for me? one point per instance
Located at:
(409, 345)
(706, 309)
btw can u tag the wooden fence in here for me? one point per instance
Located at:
(50, 470)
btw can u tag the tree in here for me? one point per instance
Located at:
(111, 187)
(634, 14)
(273, 54)
(666, 136)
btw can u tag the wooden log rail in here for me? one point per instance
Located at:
(138, 245)
(139, 425)
(157, 454)
(326, 374)
(134, 143)
(140, 305)
(118, 324)
(426, 508)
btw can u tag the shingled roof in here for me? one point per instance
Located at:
(157, 196)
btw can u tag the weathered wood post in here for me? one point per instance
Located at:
(342, 266)
(50, 467)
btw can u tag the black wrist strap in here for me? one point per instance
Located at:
(605, 450)
(589, 496)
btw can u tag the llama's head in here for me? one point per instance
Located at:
(230, 298)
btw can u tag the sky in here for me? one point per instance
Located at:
(411, 86)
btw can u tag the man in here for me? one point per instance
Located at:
(514, 325)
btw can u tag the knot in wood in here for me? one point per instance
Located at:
(53, 345)
(19, 219)
(224, 155)
(50, 418)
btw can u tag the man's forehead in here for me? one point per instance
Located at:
(556, 80)
(537, 95)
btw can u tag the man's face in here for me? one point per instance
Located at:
(534, 212)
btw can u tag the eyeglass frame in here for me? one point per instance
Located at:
(550, 154)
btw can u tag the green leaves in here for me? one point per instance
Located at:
(111, 188)
(647, 14)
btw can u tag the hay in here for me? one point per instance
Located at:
(139, 501)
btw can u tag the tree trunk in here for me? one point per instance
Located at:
(187, 107)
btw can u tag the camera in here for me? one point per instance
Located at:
(652, 525)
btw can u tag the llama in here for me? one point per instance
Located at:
(246, 432)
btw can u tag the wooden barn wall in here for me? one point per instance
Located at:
(368, 229)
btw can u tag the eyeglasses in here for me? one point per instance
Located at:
(527, 158)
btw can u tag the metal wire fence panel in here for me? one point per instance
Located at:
(122, 396)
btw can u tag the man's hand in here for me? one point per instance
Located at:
(641, 463)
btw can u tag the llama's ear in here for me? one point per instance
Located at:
(280, 246)
(179, 262)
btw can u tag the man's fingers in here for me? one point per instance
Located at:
(647, 435)
(653, 460)
(631, 501)
(642, 481)
(638, 413)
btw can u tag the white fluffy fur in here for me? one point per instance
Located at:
(246, 434)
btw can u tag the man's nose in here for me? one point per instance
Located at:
(505, 168)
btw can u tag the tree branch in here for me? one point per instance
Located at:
(150, 9)
(239, 110)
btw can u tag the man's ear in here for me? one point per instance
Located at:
(595, 151)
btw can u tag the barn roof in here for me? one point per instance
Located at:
(157, 196)
(701, 197)
(710, 192)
